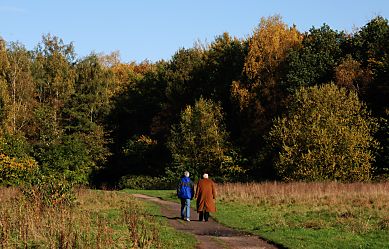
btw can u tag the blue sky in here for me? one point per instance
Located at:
(156, 29)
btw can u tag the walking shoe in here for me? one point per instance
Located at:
(187, 219)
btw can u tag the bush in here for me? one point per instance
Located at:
(15, 145)
(14, 172)
(70, 157)
(145, 182)
(326, 135)
(50, 191)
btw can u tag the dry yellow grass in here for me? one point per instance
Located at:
(300, 192)
(101, 219)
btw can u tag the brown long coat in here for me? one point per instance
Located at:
(206, 195)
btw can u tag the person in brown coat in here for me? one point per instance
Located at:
(205, 195)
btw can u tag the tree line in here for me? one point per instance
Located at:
(278, 104)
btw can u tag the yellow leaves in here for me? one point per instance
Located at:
(146, 140)
(268, 47)
(240, 94)
(125, 73)
(12, 170)
(262, 72)
(230, 168)
(325, 135)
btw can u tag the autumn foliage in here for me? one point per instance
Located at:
(279, 103)
(326, 135)
(14, 171)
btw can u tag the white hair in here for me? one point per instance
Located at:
(186, 173)
(205, 176)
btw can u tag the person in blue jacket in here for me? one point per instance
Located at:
(185, 191)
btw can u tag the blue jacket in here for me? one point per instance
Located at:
(185, 189)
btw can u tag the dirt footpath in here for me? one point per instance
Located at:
(210, 235)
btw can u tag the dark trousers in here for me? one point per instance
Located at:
(203, 215)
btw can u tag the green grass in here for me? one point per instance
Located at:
(168, 195)
(299, 227)
(303, 224)
(164, 194)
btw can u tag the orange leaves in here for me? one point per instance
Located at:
(350, 75)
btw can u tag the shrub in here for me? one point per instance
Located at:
(50, 190)
(15, 171)
(145, 182)
(326, 135)
(70, 157)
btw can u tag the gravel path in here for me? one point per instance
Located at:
(211, 234)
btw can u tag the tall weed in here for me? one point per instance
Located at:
(97, 219)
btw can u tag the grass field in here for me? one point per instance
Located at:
(306, 215)
(99, 219)
(296, 215)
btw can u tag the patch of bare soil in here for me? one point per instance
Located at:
(211, 234)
